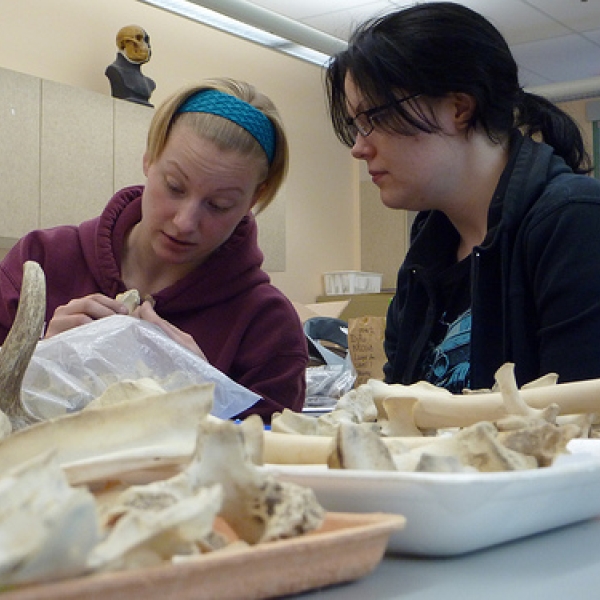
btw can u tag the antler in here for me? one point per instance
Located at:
(20, 343)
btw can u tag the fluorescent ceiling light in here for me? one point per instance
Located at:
(258, 25)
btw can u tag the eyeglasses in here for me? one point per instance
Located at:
(365, 121)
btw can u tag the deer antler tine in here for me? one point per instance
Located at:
(21, 341)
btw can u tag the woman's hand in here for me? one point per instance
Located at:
(80, 311)
(147, 312)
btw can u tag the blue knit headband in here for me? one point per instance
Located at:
(243, 114)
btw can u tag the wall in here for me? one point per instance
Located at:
(72, 42)
(334, 220)
(50, 164)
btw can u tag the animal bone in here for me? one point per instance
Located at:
(47, 526)
(357, 449)
(289, 421)
(440, 409)
(20, 343)
(50, 530)
(257, 506)
(158, 531)
(131, 299)
(360, 403)
(543, 441)
(476, 446)
(513, 401)
(399, 420)
(288, 449)
(125, 391)
(104, 442)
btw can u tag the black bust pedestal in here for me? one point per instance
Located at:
(127, 81)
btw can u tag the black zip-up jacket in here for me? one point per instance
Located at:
(535, 279)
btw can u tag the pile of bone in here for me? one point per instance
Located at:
(70, 506)
(421, 427)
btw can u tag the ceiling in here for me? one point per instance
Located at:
(553, 41)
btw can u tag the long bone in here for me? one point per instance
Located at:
(422, 406)
(440, 409)
(20, 343)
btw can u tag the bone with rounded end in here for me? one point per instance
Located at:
(399, 420)
(440, 410)
(288, 449)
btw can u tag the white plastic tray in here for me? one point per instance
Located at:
(449, 514)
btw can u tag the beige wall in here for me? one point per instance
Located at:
(334, 221)
(72, 42)
(576, 108)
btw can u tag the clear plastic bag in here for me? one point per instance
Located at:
(328, 382)
(69, 370)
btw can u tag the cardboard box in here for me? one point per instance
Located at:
(361, 305)
(352, 282)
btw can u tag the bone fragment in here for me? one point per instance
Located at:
(356, 448)
(158, 530)
(430, 463)
(47, 526)
(360, 403)
(257, 506)
(131, 299)
(127, 390)
(475, 446)
(20, 343)
(289, 421)
(544, 441)
(289, 448)
(100, 443)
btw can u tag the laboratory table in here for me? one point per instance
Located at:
(561, 564)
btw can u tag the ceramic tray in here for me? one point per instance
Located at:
(347, 547)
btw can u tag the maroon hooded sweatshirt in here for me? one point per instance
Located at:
(244, 325)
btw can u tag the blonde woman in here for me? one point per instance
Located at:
(215, 154)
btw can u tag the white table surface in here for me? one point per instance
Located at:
(562, 564)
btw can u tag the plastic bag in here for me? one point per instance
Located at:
(329, 381)
(69, 370)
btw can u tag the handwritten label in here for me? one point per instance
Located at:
(365, 343)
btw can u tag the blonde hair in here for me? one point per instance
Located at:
(225, 134)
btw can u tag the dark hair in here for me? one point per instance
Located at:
(435, 49)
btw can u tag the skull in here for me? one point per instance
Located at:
(134, 43)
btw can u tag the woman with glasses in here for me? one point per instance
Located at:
(216, 154)
(504, 260)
